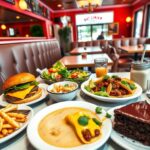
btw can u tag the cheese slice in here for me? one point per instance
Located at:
(91, 126)
(21, 94)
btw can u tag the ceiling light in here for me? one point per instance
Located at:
(17, 17)
(89, 4)
(59, 5)
(23, 4)
(3, 27)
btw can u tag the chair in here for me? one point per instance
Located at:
(120, 63)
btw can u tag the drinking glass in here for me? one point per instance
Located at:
(100, 66)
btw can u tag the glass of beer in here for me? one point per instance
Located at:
(100, 66)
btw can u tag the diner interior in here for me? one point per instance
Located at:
(76, 66)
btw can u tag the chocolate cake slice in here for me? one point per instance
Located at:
(133, 121)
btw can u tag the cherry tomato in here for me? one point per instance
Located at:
(58, 77)
(74, 75)
(52, 70)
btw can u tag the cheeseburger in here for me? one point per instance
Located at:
(21, 88)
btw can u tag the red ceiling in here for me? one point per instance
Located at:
(69, 4)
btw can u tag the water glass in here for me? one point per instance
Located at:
(101, 66)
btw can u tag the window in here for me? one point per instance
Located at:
(148, 22)
(138, 23)
(84, 33)
(89, 26)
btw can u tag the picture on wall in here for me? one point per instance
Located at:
(10, 1)
(113, 28)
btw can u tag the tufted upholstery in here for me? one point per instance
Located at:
(115, 42)
(26, 57)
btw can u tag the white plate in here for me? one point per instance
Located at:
(23, 126)
(38, 143)
(112, 99)
(43, 86)
(123, 141)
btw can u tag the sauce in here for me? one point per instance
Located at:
(54, 129)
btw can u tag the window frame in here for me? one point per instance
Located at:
(91, 27)
(147, 20)
(135, 20)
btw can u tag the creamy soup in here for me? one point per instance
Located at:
(54, 129)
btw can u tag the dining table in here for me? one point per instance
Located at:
(86, 49)
(21, 141)
(136, 49)
(78, 61)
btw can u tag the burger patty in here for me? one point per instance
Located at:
(12, 99)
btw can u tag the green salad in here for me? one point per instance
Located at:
(56, 73)
(59, 72)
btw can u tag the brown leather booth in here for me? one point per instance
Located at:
(26, 57)
(115, 42)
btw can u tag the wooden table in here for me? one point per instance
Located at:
(88, 50)
(76, 61)
(135, 49)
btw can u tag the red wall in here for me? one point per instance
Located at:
(22, 28)
(43, 21)
(120, 14)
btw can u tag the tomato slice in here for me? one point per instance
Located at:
(74, 75)
(58, 77)
(52, 70)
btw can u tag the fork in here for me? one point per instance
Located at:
(148, 91)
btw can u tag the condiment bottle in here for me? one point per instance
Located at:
(140, 73)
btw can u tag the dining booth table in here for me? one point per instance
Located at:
(86, 49)
(21, 141)
(77, 61)
(137, 49)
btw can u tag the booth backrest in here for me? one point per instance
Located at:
(115, 42)
(26, 57)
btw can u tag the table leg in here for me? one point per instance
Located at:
(136, 56)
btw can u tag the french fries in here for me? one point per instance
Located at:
(10, 121)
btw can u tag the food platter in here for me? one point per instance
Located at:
(23, 125)
(44, 94)
(112, 99)
(39, 143)
(123, 141)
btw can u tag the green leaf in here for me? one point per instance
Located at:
(98, 110)
(66, 85)
(83, 120)
(59, 65)
(115, 76)
(126, 83)
(88, 88)
(106, 77)
(97, 121)
(108, 115)
(45, 75)
(101, 93)
(64, 72)
(132, 86)
(35, 83)
(103, 89)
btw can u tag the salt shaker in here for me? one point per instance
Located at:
(140, 73)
